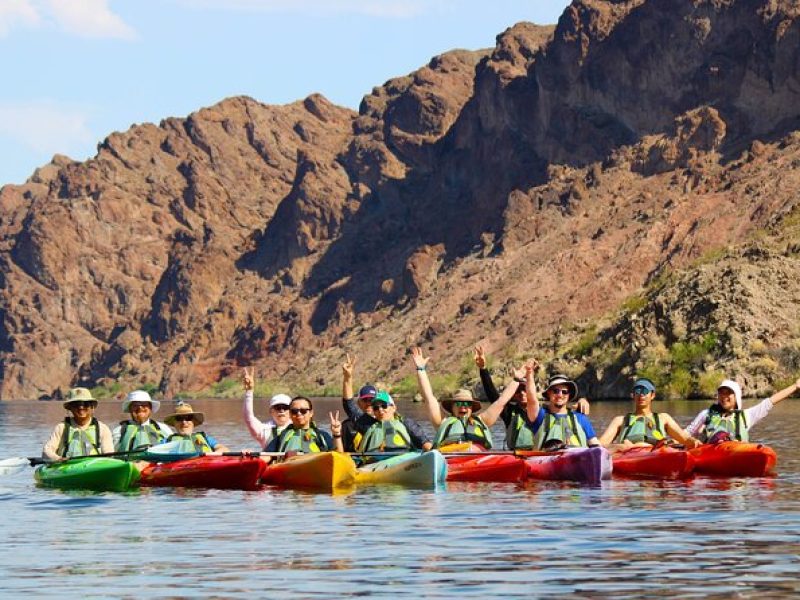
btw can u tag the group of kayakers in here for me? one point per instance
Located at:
(374, 424)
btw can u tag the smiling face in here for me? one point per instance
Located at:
(462, 409)
(300, 412)
(726, 398)
(140, 411)
(558, 396)
(82, 411)
(365, 404)
(280, 414)
(383, 411)
(184, 424)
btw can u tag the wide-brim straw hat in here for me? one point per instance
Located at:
(140, 396)
(183, 410)
(79, 394)
(461, 395)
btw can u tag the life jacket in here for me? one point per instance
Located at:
(301, 440)
(735, 424)
(638, 429)
(454, 430)
(194, 442)
(563, 428)
(518, 436)
(386, 435)
(133, 435)
(80, 442)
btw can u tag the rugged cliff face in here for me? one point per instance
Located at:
(577, 192)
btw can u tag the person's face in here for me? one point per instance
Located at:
(365, 404)
(300, 412)
(81, 410)
(558, 395)
(726, 398)
(462, 409)
(280, 414)
(642, 397)
(520, 397)
(184, 424)
(140, 411)
(382, 410)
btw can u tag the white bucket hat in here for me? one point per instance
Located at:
(280, 399)
(737, 391)
(140, 396)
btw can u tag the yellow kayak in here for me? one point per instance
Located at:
(320, 470)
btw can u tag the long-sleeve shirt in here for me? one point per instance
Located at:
(364, 421)
(53, 445)
(752, 415)
(263, 433)
(507, 414)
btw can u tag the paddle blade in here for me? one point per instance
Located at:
(168, 452)
(9, 466)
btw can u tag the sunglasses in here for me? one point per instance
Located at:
(640, 391)
(185, 418)
(280, 408)
(299, 411)
(462, 403)
(140, 407)
(82, 404)
(380, 405)
(559, 391)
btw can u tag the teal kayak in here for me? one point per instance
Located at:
(88, 473)
(426, 469)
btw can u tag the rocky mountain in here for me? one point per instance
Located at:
(615, 194)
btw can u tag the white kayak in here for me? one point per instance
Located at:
(426, 469)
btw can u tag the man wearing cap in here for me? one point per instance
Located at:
(514, 415)
(141, 430)
(643, 427)
(358, 410)
(556, 424)
(263, 433)
(184, 420)
(389, 431)
(80, 434)
(726, 419)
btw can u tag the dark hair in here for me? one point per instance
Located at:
(311, 406)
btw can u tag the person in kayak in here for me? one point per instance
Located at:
(643, 427)
(263, 433)
(514, 415)
(303, 435)
(359, 410)
(726, 418)
(389, 431)
(141, 430)
(463, 424)
(80, 434)
(184, 420)
(556, 425)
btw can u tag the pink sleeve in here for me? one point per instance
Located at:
(254, 426)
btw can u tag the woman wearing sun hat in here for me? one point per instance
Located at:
(643, 427)
(184, 420)
(726, 417)
(464, 424)
(141, 430)
(80, 434)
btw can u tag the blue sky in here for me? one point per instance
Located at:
(73, 71)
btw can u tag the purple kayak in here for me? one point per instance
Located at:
(587, 465)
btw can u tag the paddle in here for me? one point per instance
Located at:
(9, 466)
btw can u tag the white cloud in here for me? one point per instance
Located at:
(89, 18)
(46, 127)
(374, 8)
(14, 12)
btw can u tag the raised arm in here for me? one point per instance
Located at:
(491, 414)
(348, 366)
(785, 393)
(532, 407)
(336, 431)
(432, 404)
(254, 426)
(486, 379)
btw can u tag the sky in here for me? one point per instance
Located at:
(74, 71)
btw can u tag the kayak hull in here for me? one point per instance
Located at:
(586, 465)
(87, 473)
(218, 472)
(414, 469)
(734, 459)
(649, 463)
(502, 468)
(320, 470)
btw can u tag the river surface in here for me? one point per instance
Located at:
(716, 538)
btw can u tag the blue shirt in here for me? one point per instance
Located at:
(581, 419)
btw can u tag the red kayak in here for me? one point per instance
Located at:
(220, 472)
(653, 463)
(504, 468)
(734, 459)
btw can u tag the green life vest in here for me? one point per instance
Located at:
(194, 442)
(735, 424)
(518, 436)
(564, 428)
(454, 431)
(133, 435)
(386, 435)
(641, 429)
(301, 440)
(80, 442)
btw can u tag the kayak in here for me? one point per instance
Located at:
(426, 469)
(587, 465)
(504, 468)
(320, 470)
(219, 472)
(88, 473)
(653, 463)
(734, 459)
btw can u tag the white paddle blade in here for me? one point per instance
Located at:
(9, 466)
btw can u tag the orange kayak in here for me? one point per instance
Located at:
(653, 463)
(320, 470)
(734, 459)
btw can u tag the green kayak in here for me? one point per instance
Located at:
(88, 473)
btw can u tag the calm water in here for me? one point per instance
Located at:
(702, 538)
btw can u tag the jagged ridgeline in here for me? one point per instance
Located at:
(612, 194)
